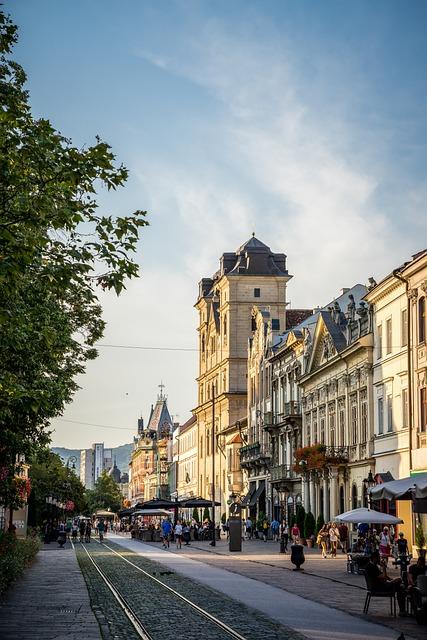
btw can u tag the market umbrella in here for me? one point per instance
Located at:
(367, 516)
(199, 503)
(404, 489)
(159, 503)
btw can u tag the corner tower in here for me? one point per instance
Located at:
(253, 274)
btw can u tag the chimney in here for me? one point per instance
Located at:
(344, 290)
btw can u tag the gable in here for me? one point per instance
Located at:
(324, 346)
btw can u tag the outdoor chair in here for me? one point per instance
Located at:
(376, 593)
(420, 600)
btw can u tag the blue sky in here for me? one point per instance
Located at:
(303, 121)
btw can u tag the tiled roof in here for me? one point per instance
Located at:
(295, 316)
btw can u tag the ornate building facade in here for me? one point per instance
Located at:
(252, 274)
(337, 408)
(152, 455)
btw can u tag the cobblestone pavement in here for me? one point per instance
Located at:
(164, 615)
(50, 601)
(323, 581)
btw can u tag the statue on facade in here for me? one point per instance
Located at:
(308, 346)
(351, 308)
(362, 310)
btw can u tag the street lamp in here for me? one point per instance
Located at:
(368, 483)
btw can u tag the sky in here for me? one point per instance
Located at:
(304, 122)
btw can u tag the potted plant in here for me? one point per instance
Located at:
(420, 540)
(309, 526)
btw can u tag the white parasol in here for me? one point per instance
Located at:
(403, 489)
(367, 516)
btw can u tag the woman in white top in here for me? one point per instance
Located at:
(385, 545)
(178, 534)
(334, 535)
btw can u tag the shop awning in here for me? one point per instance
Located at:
(247, 498)
(258, 493)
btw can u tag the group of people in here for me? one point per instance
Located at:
(180, 532)
(331, 537)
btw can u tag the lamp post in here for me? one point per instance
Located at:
(368, 483)
(213, 542)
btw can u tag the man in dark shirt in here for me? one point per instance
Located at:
(378, 580)
(416, 570)
(402, 545)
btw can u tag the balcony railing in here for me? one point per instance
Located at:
(253, 453)
(291, 409)
(337, 453)
(282, 472)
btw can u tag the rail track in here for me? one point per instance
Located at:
(156, 588)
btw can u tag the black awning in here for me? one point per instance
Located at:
(256, 496)
(248, 496)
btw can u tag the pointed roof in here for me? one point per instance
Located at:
(160, 419)
(252, 243)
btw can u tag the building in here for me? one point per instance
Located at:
(152, 454)
(253, 274)
(187, 461)
(337, 408)
(93, 462)
(400, 398)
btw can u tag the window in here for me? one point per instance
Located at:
(203, 344)
(257, 293)
(423, 410)
(379, 341)
(308, 435)
(341, 417)
(422, 319)
(275, 324)
(389, 338)
(225, 328)
(354, 420)
(404, 327)
(322, 430)
(405, 413)
(315, 431)
(389, 413)
(380, 415)
(364, 421)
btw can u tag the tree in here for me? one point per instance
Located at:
(300, 516)
(206, 514)
(196, 514)
(56, 250)
(105, 495)
(309, 525)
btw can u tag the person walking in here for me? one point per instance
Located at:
(385, 545)
(74, 531)
(178, 534)
(101, 530)
(275, 526)
(248, 526)
(322, 539)
(82, 529)
(186, 533)
(333, 539)
(88, 531)
(295, 533)
(265, 530)
(166, 532)
(284, 534)
(343, 531)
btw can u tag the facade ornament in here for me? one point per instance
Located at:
(362, 310)
(351, 309)
(413, 294)
(328, 346)
(372, 283)
(423, 286)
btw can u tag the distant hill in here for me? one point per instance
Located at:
(121, 453)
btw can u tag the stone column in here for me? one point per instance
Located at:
(305, 492)
(325, 506)
(312, 503)
(334, 492)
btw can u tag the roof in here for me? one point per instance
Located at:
(160, 420)
(187, 425)
(295, 316)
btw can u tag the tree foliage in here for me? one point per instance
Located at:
(49, 476)
(309, 525)
(105, 495)
(56, 250)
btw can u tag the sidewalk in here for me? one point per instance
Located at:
(290, 605)
(50, 601)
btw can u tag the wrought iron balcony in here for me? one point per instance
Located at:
(291, 410)
(254, 454)
(282, 472)
(338, 454)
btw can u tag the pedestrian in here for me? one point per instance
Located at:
(186, 533)
(248, 525)
(166, 532)
(343, 531)
(275, 526)
(333, 539)
(178, 534)
(62, 535)
(74, 530)
(385, 545)
(82, 529)
(265, 528)
(101, 530)
(284, 534)
(295, 533)
(88, 531)
(322, 539)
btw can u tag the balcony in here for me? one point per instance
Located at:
(282, 473)
(291, 413)
(254, 454)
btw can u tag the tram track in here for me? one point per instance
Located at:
(106, 569)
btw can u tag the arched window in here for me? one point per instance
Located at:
(225, 328)
(421, 319)
(354, 497)
(203, 344)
